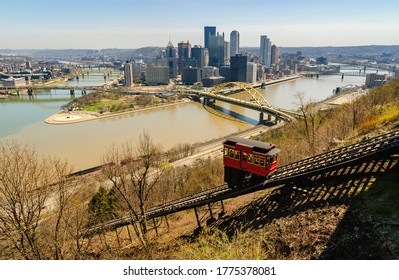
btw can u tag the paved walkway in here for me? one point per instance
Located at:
(70, 117)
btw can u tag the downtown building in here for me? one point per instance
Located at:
(234, 43)
(241, 70)
(238, 68)
(265, 51)
(128, 74)
(191, 75)
(184, 55)
(171, 60)
(208, 31)
(216, 49)
(157, 75)
(200, 56)
(274, 55)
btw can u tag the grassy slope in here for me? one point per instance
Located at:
(349, 213)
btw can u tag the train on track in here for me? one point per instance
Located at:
(246, 159)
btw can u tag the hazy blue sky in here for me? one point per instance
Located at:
(133, 24)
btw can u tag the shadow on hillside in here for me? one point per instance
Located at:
(353, 238)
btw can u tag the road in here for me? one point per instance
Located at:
(213, 149)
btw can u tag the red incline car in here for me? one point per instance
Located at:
(247, 159)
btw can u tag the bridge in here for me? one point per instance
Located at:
(32, 88)
(348, 70)
(257, 102)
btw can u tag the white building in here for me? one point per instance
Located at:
(251, 72)
(234, 43)
(14, 82)
(128, 74)
(209, 71)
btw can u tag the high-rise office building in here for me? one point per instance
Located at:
(234, 43)
(238, 68)
(216, 50)
(138, 70)
(265, 50)
(208, 31)
(171, 58)
(184, 53)
(226, 53)
(251, 72)
(128, 67)
(198, 55)
(274, 55)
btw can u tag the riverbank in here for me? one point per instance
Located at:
(343, 97)
(278, 81)
(72, 117)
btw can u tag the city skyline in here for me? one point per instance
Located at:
(134, 24)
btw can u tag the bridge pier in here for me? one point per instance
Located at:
(261, 120)
(209, 102)
(72, 92)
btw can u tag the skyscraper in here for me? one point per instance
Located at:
(234, 43)
(198, 54)
(238, 66)
(128, 74)
(274, 55)
(216, 50)
(265, 50)
(184, 53)
(208, 31)
(226, 59)
(171, 58)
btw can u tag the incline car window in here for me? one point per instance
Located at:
(237, 156)
(233, 154)
(249, 159)
(226, 152)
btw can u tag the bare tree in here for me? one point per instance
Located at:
(23, 194)
(312, 118)
(35, 194)
(134, 175)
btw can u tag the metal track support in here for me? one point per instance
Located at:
(196, 216)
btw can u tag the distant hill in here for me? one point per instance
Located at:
(152, 51)
(370, 50)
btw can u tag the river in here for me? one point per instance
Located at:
(84, 144)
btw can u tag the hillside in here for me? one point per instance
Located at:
(348, 213)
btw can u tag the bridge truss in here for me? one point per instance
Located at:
(256, 96)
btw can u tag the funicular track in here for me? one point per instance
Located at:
(375, 147)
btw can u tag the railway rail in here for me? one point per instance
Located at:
(366, 149)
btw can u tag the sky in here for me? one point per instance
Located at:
(99, 24)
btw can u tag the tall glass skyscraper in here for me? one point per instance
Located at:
(234, 43)
(265, 50)
(208, 31)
